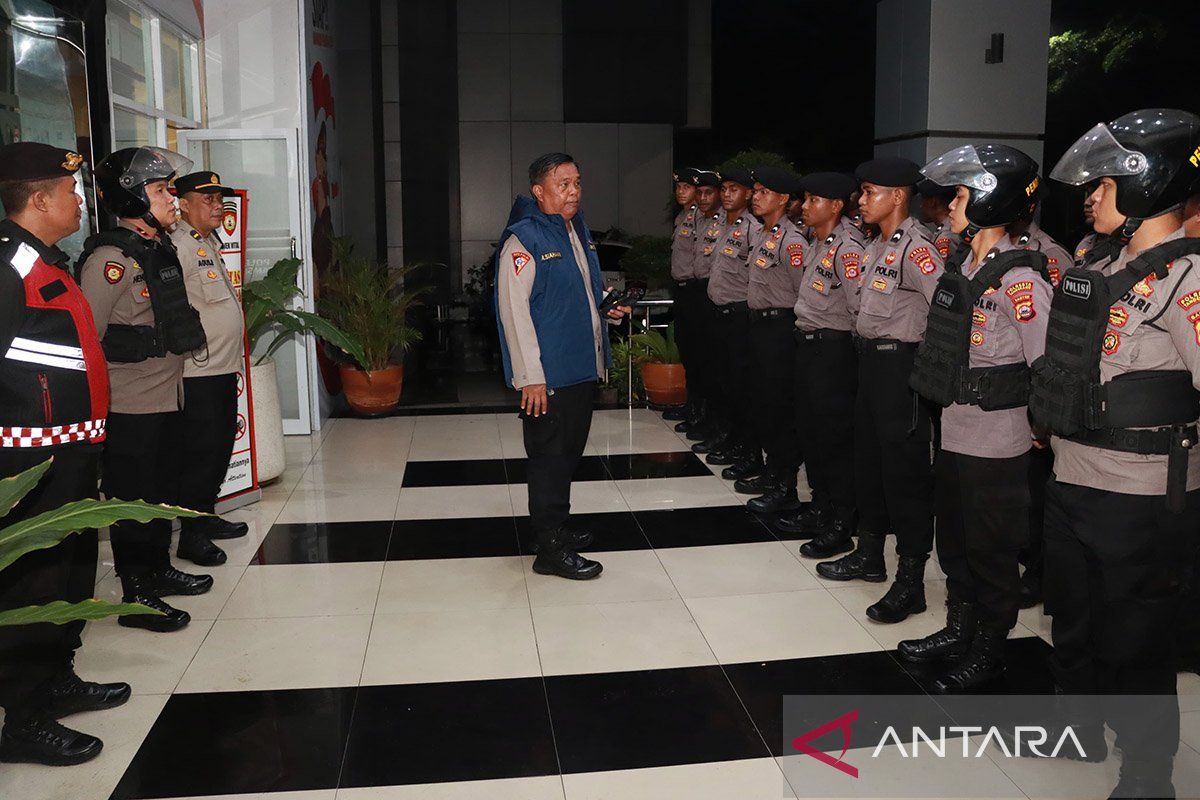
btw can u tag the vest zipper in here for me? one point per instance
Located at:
(47, 406)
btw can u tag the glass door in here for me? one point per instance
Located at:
(264, 163)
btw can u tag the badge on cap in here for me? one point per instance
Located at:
(113, 272)
(72, 162)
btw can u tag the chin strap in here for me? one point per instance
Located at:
(1126, 231)
(957, 253)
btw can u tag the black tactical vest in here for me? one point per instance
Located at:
(942, 371)
(177, 328)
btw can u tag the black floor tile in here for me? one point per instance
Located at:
(468, 472)
(630, 720)
(591, 468)
(437, 732)
(452, 538)
(679, 464)
(324, 543)
(762, 685)
(617, 530)
(1027, 671)
(242, 742)
(694, 527)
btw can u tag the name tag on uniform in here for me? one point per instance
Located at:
(550, 255)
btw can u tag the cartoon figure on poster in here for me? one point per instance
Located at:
(325, 188)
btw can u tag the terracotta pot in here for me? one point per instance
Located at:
(666, 384)
(374, 392)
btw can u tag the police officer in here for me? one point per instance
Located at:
(728, 280)
(53, 403)
(683, 251)
(1088, 242)
(892, 426)
(207, 424)
(935, 213)
(826, 366)
(713, 428)
(986, 325)
(776, 271)
(1118, 388)
(132, 277)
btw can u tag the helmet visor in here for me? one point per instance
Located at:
(1097, 155)
(153, 164)
(960, 167)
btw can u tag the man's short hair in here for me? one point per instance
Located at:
(14, 195)
(544, 164)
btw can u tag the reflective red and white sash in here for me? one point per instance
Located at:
(92, 430)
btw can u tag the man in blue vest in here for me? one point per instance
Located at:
(555, 348)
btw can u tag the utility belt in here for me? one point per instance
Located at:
(739, 307)
(1173, 442)
(691, 283)
(822, 334)
(129, 344)
(995, 388)
(772, 313)
(883, 346)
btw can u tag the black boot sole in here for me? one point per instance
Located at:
(153, 623)
(574, 576)
(21, 755)
(875, 616)
(870, 577)
(202, 561)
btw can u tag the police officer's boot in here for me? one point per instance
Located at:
(66, 694)
(727, 454)
(983, 663)
(809, 521)
(139, 590)
(865, 563)
(39, 739)
(834, 539)
(199, 549)
(695, 412)
(1144, 779)
(718, 439)
(759, 484)
(749, 464)
(907, 594)
(676, 413)
(950, 642)
(573, 538)
(782, 497)
(555, 557)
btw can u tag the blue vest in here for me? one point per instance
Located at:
(558, 303)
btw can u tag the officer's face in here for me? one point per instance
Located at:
(877, 202)
(202, 210)
(958, 210)
(61, 205)
(767, 203)
(162, 204)
(685, 193)
(706, 198)
(818, 211)
(1104, 207)
(560, 191)
(734, 196)
(1088, 216)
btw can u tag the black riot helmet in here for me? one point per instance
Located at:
(121, 179)
(1152, 155)
(1003, 183)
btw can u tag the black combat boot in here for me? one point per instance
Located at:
(834, 539)
(1143, 780)
(782, 498)
(676, 413)
(215, 527)
(865, 563)
(983, 663)
(695, 415)
(169, 581)
(716, 441)
(38, 739)
(748, 465)
(728, 454)
(951, 641)
(168, 619)
(68, 694)
(199, 549)
(555, 557)
(573, 538)
(759, 484)
(907, 594)
(809, 522)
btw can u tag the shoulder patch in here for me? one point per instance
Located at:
(23, 260)
(851, 262)
(1019, 287)
(1190, 299)
(796, 254)
(943, 246)
(519, 260)
(114, 271)
(923, 259)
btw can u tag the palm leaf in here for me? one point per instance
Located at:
(14, 488)
(60, 612)
(332, 334)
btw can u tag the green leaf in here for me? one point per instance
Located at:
(51, 527)
(14, 488)
(332, 334)
(60, 612)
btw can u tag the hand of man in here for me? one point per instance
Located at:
(619, 312)
(534, 400)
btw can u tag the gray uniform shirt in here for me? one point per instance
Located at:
(709, 232)
(1057, 257)
(831, 275)
(1008, 327)
(1155, 326)
(944, 239)
(116, 290)
(898, 283)
(515, 273)
(683, 244)
(211, 293)
(776, 266)
(729, 275)
(1085, 246)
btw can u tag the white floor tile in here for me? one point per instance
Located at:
(735, 569)
(443, 502)
(479, 644)
(653, 493)
(305, 590)
(365, 476)
(752, 779)
(614, 637)
(628, 575)
(587, 497)
(290, 653)
(764, 627)
(452, 584)
(1190, 729)
(1189, 691)
(1036, 621)
(456, 437)
(544, 788)
(152, 663)
(317, 504)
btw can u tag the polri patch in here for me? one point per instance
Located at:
(923, 259)
(114, 271)
(519, 260)
(1111, 343)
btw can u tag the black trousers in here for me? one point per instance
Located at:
(138, 465)
(982, 509)
(892, 464)
(826, 383)
(1116, 565)
(693, 323)
(203, 437)
(732, 373)
(554, 443)
(1041, 467)
(773, 384)
(32, 654)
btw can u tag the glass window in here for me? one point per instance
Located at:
(131, 129)
(130, 55)
(179, 61)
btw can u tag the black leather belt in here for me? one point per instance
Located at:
(883, 346)
(691, 282)
(729, 308)
(1144, 441)
(827, 334)
(771, 313)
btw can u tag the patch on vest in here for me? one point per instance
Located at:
(978, 318)
(728, 251)
(1190, 299)
(212, 276)
(1118, 316)
(1078, 288)
(943, 298)
(113, 272)
(923, 259)
(202, 253)
(819, 286)
(879, 285)
(976, 338)
(760, 262)
(890, 258)
(519, 261)
(1111, 343)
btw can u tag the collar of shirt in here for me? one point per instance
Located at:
(50, 254)
(1004, 244)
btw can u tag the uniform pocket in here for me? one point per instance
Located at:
(214, 290)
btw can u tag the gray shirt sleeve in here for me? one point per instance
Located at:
(514, 282)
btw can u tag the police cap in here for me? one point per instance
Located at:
(707, 177)
(738, 175)
(889, 171)
(831, 185)
(777, 179)
(203, 182)
(34, 161)
(686, 175)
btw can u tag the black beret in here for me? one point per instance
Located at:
(34, 161)
(686, 175)
(889, 171)
(707, 177)
(740, 176)
(203, 182)
(833, 185)
(777, 179)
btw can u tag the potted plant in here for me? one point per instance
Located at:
(271, 320)
(648, 259)
(370, 302)
(662, 370)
